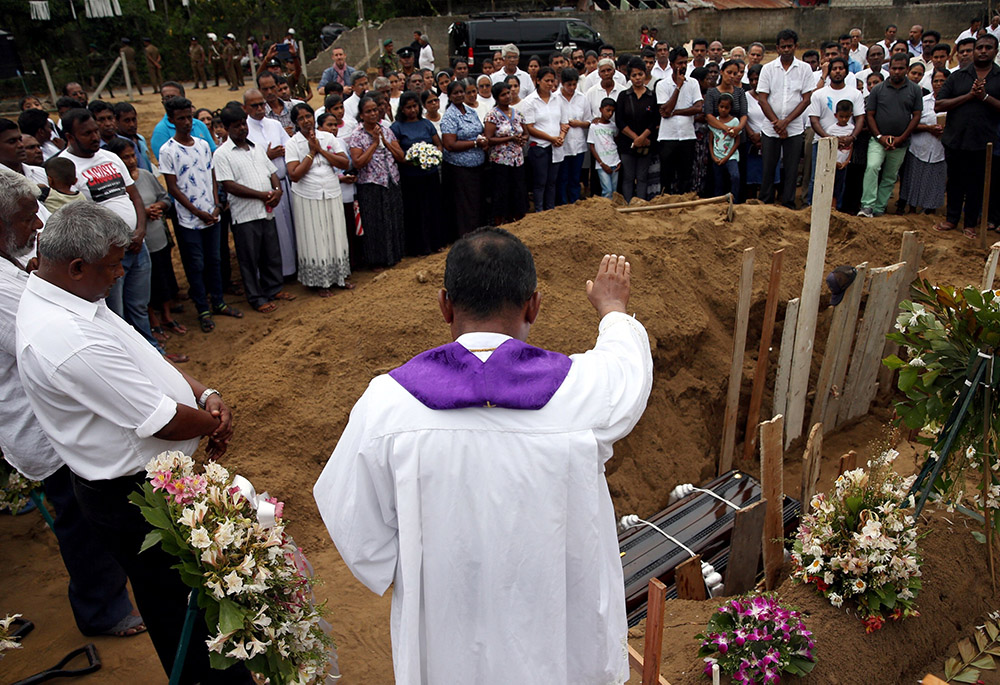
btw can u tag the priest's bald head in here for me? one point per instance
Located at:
(490, 285)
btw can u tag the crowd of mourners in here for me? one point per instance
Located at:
(318, 193)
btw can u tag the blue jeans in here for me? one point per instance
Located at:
(609, 182)
(129, 296)
(730, 170)
(569, 179)
(200, 255)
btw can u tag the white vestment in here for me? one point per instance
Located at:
(495, 525)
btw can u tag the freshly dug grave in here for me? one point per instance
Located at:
(293, 376)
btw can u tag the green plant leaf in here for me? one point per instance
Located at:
(992, 630)
(220, 662)
(985, 662)
(951, 667)
(156, 517)
(981, 642)
(965, 649)
(804, 665)
(893, 362)
(152, 537)
(969, 675)
(908, 377)
(980, 538)
(231, 617)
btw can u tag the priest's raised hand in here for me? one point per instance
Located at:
(611, 287)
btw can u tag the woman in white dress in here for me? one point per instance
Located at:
(312, 158)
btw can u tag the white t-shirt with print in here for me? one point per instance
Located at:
(105, 179)
(192, 165)
(602, 136)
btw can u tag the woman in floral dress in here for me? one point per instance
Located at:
(504, 131)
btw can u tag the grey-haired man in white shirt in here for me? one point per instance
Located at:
(97, 592)
(109, 403)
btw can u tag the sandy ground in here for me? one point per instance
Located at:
(292, 377)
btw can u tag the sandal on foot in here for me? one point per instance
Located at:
(226, 310)
(177, 357)
(347, 286)
(944, 226)
(127, 627)
(160, 334)
(324, 292)
(206, 323)
(175, 326)
(266, 308)
(283, 295)
(970, 232)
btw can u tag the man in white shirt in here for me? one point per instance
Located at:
(606, 86)
(679, 98)
(994, 27)
(511, 55)
(783, 92)
(13, 154)
(972, 32)
(487, 551)
(755, 55)
(251, 180)
(876, 62)
(859, 51)
(359, 86)
(103, 178)
(97, 592)
(889, 40)
(914, 41)
(699, 55)
(271, 137)
(661, 69)
(425, 59)
(822, 110)
(109, 403)
(594, 77)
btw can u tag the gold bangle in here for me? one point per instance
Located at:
(309, 156)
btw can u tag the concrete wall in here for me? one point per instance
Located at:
(732, 27)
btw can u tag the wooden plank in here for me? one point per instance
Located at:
(635, 662)
(860, 388)
(654, 632)
(763, 353)
(690, 583)
(812, 282)
(812, 458)
(984, 217)
(848, 462)
(910, 252)
(990, 272)
(780, 401)
(771, 458)
(678, 205)
(736, 369)
(745, 549)
(842, 353)
(838, 347)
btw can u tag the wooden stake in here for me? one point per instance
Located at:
(736, 369)
(107, 77)
(745, 548)
(848, 462)
(780, 401)
(635, 662)
(830, 386)
(128, 77)
(677, 205)
(763, 352)
(860, 388)
(771, 458)
(984, 217)
(909, 254)
(689, 580)
(48, 82)
(990, 272)
(655, 605)
(812, 282)
(812, 459)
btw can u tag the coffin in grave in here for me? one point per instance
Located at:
(701, 522)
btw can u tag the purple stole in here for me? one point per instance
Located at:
(516, 376)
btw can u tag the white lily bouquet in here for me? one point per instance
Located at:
(424, 156)
(254, 584)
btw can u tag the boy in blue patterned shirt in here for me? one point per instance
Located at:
(186, 163)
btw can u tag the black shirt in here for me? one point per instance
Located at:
(894, 107)
(637, 114)
(972, 125)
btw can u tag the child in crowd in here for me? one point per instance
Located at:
(604, 150)
(62, 177)
(725, 150)
(219, 130)
(843, 127)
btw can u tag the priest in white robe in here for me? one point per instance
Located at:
(472, 479)
(270, 135)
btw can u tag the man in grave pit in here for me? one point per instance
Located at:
(472, 479)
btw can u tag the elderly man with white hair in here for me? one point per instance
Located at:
(511, 55)
(109, 403)
(97, 592)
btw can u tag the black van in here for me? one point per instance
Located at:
(483, 34)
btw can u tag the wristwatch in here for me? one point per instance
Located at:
(205, 395)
